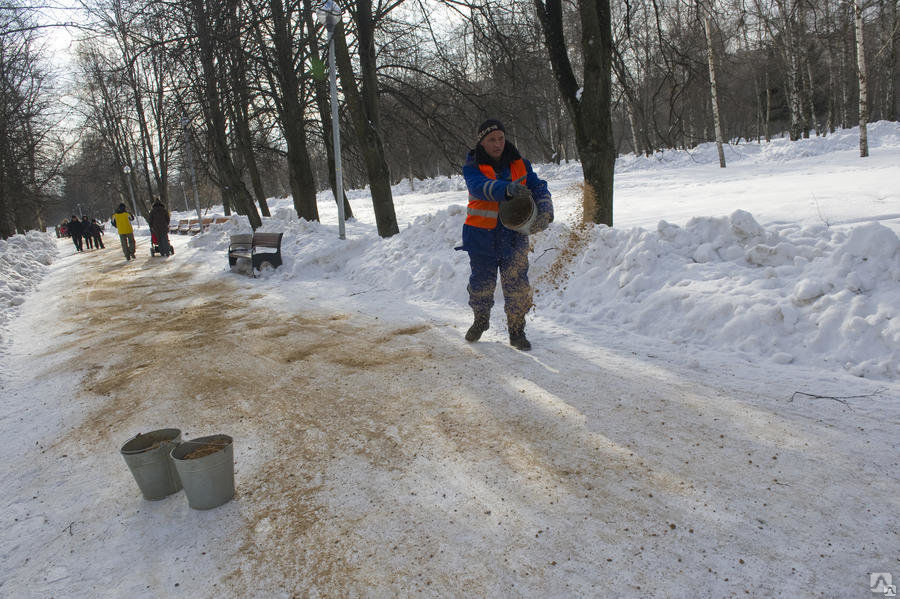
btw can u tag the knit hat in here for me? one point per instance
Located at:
(488, 127)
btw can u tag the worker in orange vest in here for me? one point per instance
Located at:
(495, 172)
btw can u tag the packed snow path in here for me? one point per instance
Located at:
(387, 459)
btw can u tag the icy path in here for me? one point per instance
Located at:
(383, 458)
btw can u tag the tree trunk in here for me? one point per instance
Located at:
(292, 116)
(129, 59)
(792, 73)
(631, 123)
(365, 119)
(7, 218)
(768, 107)
(230, 177)
(893, 25)
(588, 106)
(713, 92)
(240, 102)
(832, 91)
(861, 65)
(809, 95)
(845, 100)
(807, 112)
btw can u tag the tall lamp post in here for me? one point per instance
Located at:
(329, 13)
(187, 208)
(127, 170)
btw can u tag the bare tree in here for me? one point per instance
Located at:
(588, 104)
(281, 37)
(30, 153)
(363, 105)
(210, 24)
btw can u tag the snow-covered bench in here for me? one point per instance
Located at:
(258, 248)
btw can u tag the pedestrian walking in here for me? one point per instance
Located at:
(495, 173)
(74, 229)
(97, 234)
(122, 219)
(159, 228)
(86, 234)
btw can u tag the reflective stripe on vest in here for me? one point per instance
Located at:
(483, 213)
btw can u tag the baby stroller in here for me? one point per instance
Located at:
(163, 249)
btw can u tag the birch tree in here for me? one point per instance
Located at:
(861, 72)
(713, 91)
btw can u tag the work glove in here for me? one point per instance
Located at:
(544, 215)
(518, 191)
(541, 222)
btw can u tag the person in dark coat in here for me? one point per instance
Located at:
(159, 227)
(75, 231)
(97, 234)
(86, 233)
(495, 172)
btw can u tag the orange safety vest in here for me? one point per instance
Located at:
(483, 213)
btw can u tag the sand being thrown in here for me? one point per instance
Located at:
(572, 244)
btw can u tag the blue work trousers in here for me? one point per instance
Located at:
(517, 294)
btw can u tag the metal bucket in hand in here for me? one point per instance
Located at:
(518, 214)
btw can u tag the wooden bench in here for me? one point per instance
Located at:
(173, 226)
(184, 227)
(194, 226)
(257, 248)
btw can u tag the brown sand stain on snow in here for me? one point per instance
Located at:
(209, 358)
(375, 460)
(369, 457)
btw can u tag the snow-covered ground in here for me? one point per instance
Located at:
(730, 288)
(789, 255)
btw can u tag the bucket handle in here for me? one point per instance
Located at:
(205, 443)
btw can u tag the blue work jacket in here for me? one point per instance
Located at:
(499, 241)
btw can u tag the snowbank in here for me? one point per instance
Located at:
(809, 295)
(23, 262)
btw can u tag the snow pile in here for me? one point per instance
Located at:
(811, 295)
(23, 262)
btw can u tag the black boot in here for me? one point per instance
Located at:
(481, 324)
(517, 335)
(519, 341)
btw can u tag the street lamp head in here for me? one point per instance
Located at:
(328, 13)
(126, 169)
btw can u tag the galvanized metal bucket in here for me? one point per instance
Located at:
(518, 214)
(206, 468)
(147, 456)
